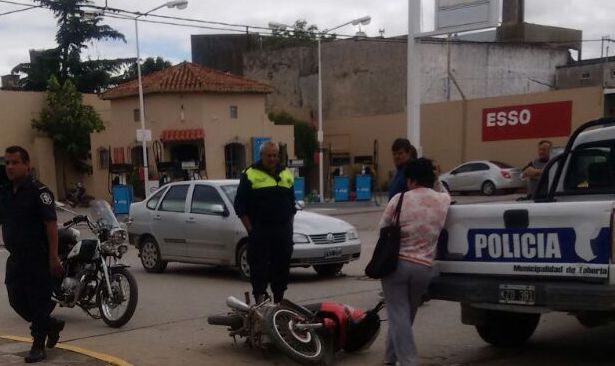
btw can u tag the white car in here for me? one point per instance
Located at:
(482, 176)
(195, 222)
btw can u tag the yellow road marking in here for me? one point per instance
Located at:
(68, 347)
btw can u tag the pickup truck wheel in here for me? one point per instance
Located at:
(488, 188)
(506, 329)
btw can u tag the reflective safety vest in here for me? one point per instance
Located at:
(259, 179)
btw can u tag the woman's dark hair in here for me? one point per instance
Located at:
(421, 171)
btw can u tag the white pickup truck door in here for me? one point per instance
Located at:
(559, 239)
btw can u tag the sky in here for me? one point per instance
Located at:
(36, 28)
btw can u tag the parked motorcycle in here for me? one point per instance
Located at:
(77, 196)
(307, 334)
(94, 279)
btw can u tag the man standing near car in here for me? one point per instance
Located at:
(533, 170)
(30, 233)
(265, 202)
(403, 152)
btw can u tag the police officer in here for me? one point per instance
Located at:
(30, 234)
(265, 202)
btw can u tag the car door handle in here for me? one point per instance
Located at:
(157, 217)
(191, 220)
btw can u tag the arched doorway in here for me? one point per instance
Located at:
(234, 159)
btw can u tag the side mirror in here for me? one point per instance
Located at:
(300, 205)
(219, 209)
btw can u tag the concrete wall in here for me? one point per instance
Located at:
(207, 111)
(575, 76)
(443, 126)
(18, 110)
(365, 78)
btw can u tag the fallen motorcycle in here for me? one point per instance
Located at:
(307, 334)
(94, 279)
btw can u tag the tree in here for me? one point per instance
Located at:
(299, 35)
(148, 66)
(68, 123)
(76, 30)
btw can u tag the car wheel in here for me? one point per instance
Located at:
(488, 188)
(505, 329)
(150, 256)
(328, 270)
(242, 261)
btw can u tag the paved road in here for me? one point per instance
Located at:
(170, 328)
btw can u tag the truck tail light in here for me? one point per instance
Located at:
(505, 174)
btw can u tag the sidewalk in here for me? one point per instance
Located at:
(13, 349)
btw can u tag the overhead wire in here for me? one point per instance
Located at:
(266, 31)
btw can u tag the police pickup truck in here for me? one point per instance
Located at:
(508, 263)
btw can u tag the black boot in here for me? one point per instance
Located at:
(37, 352)
(53, 335)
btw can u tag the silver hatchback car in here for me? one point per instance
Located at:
(482, 176)
(195, 222)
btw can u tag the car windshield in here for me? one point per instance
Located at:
(230, 191)
(501, 165)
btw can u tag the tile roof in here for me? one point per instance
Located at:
(182, 135)
(188, 77)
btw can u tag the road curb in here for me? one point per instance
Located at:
(112, 360)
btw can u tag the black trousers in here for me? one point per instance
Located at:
(269, 251)
(29, 287)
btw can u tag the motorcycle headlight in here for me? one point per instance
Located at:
(118, 236)
(352, 234)
(300, 238)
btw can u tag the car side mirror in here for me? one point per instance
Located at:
(219, 209)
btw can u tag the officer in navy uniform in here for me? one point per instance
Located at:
(30, 234)
(265, 202)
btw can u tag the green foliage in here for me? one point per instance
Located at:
(68, 122)
(148, 66)
(299, 35)
(76, 31)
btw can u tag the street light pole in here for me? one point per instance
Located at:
(320, 135)
(321, 166)
(179, 4)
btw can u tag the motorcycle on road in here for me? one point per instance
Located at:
(94, 278)
(308, 334)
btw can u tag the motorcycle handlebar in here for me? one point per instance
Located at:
(77, 219)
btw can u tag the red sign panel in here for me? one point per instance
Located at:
(527, 121)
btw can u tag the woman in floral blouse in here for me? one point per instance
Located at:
(422, 217)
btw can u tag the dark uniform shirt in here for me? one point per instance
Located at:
(266, 206)
(398, 183)
(23, 215)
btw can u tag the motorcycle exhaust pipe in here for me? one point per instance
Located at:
(234, 303)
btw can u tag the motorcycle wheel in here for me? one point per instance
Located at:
(303, 346)
(117, 308)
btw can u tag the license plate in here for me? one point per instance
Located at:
(518, 294)
(333, 253)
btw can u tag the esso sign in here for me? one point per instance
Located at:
(511, 118)
(527, 121)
